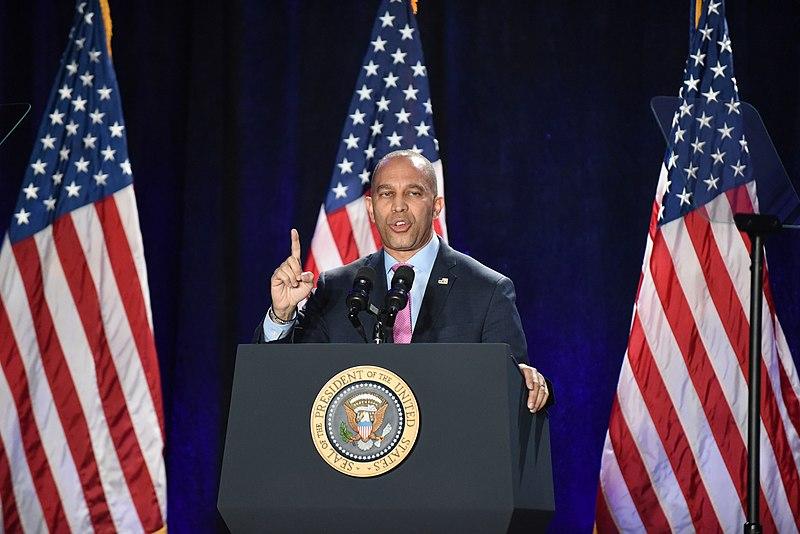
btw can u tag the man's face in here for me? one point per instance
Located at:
(403, 207)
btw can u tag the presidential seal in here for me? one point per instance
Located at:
(364, 421)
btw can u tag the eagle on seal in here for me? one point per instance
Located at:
(364, 423)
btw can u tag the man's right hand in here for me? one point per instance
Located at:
(289, 284)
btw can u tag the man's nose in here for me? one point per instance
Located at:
(399, 204)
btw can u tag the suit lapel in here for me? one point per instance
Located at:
(435, 294)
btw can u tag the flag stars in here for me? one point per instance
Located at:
(691, 171)
(94, 56)
(358, 117)
(345, 167)
(738, 169)
(394, 139)
(50, 203)
(719, 157)
(364, 175)
(57, 177)
(416, 149)
(691, 83)
(679, 135)
(725, 45)
(698, 58)
(399, 57)
(379, 45)
(79, 42)
(31, 191)
(391, 80)
(48, 141)
(743, 143)
(73, 189)
(351, 141)
(383, 104)
(428, 106)
(63, 154)
(685, 196)
(88, 141)
(22, 217)
(410, 93)
(686, 108)
(56, 117)
(712, 7)
(711, 95)
(65, 92)
(371, 68)
(697, 145)
(419, 69)
(72, 68)
(386, 20)
(108, 153)
(711, 182)
(407, 32)
(126, 167)
(340, 190)
(364, 93)
(116, 129)
(402, 116)
(38, 167)
(733, 106)
(100, 178)
(673, 160)
(706, 31)
(105, 93)
(96, 116)
(422, 129)
(376, 128)
(704, 120)
(725, 131)
(72, 128)
(369, 152)
(719, 70)
(79, 103)
(82, 165)
(88, 18)
(86, 78)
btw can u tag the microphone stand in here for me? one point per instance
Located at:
(757, 226)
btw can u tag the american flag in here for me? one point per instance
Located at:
(81, 427)
(390, 110)
(675, 454)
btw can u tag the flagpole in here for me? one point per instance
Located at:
(757, 226)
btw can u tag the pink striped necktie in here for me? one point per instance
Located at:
(402, 323)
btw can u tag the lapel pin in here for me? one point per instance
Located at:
(443, 281)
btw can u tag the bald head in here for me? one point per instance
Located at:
(417, 160)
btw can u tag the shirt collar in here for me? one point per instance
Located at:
(422, 260)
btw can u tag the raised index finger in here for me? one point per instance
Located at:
(296, 244)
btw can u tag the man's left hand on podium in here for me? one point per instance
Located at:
(537, 387)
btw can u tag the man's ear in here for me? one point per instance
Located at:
(438, 206)
(368, 201)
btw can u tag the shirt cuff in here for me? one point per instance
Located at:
(274, 331)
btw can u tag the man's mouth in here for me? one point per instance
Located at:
(400, 226)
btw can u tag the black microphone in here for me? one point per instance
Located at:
(397, 296)
(358, 297)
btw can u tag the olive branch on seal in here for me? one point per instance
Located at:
(344, 432)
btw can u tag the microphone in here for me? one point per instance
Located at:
(397, 296)
(358, 297)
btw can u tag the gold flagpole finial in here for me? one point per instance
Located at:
(106, 22)
(414, 6)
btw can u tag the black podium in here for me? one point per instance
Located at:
(481, 461)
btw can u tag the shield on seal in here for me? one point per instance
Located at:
(365, 429)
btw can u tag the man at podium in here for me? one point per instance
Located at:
(453, 299)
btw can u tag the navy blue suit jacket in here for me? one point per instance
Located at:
(464, 302)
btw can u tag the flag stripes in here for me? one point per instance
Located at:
(86, 305)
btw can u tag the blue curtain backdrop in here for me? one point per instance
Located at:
(550, 152)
